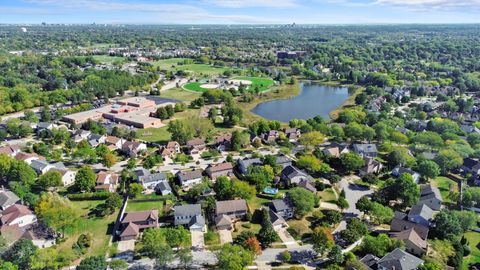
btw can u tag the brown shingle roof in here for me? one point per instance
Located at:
(132, 229)
(220, 167)
(140, 216)
(229, 206)
(13, 212)
(412, 236)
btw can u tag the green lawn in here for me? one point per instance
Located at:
(255, 228)
(145, 203)
(108, 58)
(97, 226)
(263, 83)
(179, 94)
(212, 238)
(445, 185)
(158, 135)
(328, 195)
(175, 64)
(195, 86)
(473, 241)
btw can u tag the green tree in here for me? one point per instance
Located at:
(448, 160)
(379, 245)
(302, 199)
(234, 257)
(177, 237)
(354, 231)
(351, 161)
(52, 178)
(117, 265)
(93, 263)
(135, 189)
(285, 256)
(185, 257)
(243, 189)
(239, 140)
(335, 255)
(56, 212)
(402, 188)
(85, 179)
(181, 132)
(267, 234)
(20, 252)
(8, 266)
(322, 240)
(428, 169)
(224, 188)
(447, 225)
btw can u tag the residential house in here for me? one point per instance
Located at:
(284, 161)
(291, 175)
(292, 134)
(243, 164)
(371, 166)
(421, 214)
(7, 199)
(41, 166)
(10, 150)
(40, 237)
(223, 222)
(133, 148)
(282, 207)
(170, 150)
(80, 135)
(471, 165)
(414, 244)
(401, 223)
(430, 196)
(134, 222)
(235, 209)
(365, 149)
(469, 129)
(222, 142)
(370, 261)
(190, 216)
(308, 185)
(399, 170)
(44, 127)
(270, 137)
(399, 260)
(335, 150)
(150, 181)
(278, 222)
(223, 169)
(17, 214)
(189, 178)
(68, 176)
(28, 157)
(107, 181)
(195, 146)
(114, 143)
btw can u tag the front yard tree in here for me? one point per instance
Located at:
(109, 160)
(135, 189)
(285, 256)
(50, 179)
(448, 160)
(93, 263)
(312, 139)
(19, 253)
(85, 179)
(322, 240)
(303, 200)
(234, 257)
(335, 255)
(428, 169)
(267, 234)
(351, 161)
(239, 139)
(56, 212)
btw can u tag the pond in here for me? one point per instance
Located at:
(314, 99)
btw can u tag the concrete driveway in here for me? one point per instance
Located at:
(127, 245)
(287, 239)
(225, 236)
(197, 239)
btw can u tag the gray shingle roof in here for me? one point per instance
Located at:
(399, 260)
(421, 210)
(8, 198)
(152, 177)
(187, 210)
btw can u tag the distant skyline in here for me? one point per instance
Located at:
(239, 11)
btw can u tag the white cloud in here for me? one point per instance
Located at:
(436, 4)
(253, 3)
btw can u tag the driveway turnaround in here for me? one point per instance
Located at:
(225, 236)
(197, 239)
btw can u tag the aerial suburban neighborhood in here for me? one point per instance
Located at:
(239, 147)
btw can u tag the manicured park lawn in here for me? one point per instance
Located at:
(107, 58)
(263, 83)
(445, 185)
(154, 134)
(180, 94)
(176, 64)
(473, 241)
(195, 86)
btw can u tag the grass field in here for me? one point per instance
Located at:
(107, 58)
(175, 64)
(180, 94)
(473, 241)
(195, 86)
(144, 204)
(97, 226)
(157, 135)
(263, 83)
(446, 186)
(328, 195)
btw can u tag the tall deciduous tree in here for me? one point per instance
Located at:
(56, 212)
(85, 179)
(234, 257)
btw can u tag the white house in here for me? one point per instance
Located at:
(189, 178)
(17, 214)
(68, 176)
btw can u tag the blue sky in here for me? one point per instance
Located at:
(240, 11)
